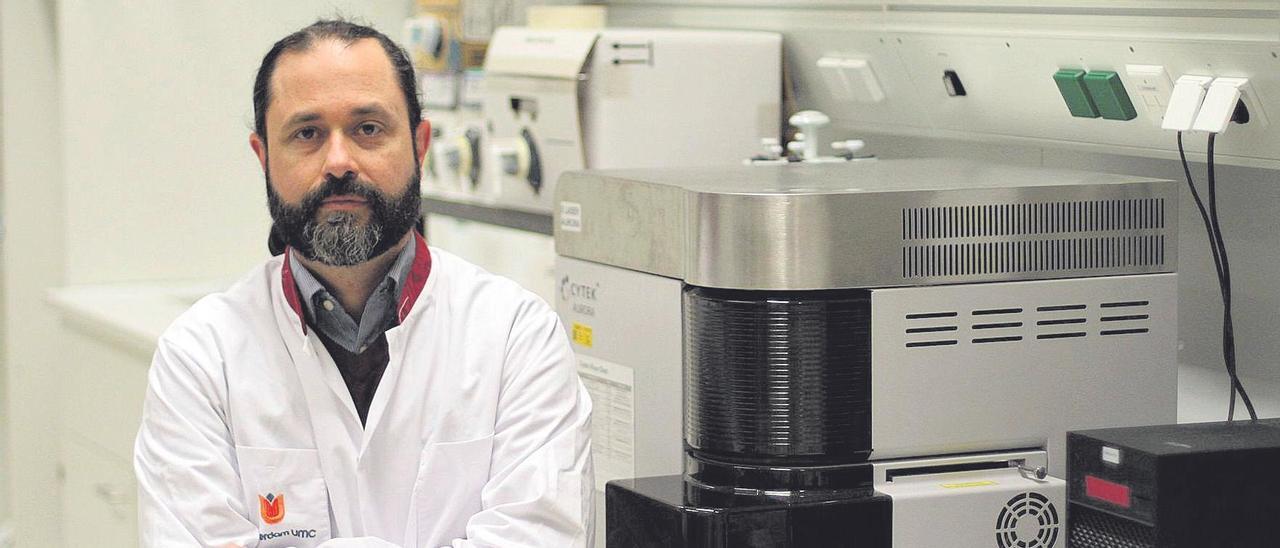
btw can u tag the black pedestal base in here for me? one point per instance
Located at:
(667, 512)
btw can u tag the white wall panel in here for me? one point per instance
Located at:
(1006, 60)
(33, 256)
(161, 183)
(1224, 37)
(125, 158)
(970, 5)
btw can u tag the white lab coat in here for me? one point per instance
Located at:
(478, 434)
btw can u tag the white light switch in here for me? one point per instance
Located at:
(851, 79)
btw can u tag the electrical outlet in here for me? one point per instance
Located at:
(1222, 102)
(1257, 113)
(1184, 103)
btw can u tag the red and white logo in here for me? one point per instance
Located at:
(272, 507)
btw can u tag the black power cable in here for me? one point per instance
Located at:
(1214, 250)
(1223, 267)
(1228, 328)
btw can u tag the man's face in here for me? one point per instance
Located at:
(342, 168)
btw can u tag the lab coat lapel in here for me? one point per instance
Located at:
(332, 430)
(328, 370)
(331, 410)
(386, 385)
(417, 286)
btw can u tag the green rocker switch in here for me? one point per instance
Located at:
(1109, 95)
(1071, 85)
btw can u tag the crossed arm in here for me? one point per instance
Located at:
(539, 492)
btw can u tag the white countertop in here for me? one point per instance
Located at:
(131, 316)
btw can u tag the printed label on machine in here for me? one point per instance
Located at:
(1111, 455)
(968, 484)
(612, 393)
(571, 216)
(582, 334)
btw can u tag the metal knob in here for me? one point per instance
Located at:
(808, 122)
(772, 147)
(849, 146)
(510, 162)
(1039, 472)
(453, 158)
(115, 498)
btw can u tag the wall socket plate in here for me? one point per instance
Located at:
(1257, 113)
(1151, 88)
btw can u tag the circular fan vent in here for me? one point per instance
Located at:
(1028, 520)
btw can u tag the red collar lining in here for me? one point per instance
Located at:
(291, 290)
(414, 282)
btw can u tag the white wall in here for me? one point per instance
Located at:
(125, 158)
(4, 360)
(157, 103)
(33, 259)
(1249, 198)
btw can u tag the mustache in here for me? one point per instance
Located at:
(293, 224)
(348, 185)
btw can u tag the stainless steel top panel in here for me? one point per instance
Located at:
(879, 223)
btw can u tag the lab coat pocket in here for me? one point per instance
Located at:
(447, 492)
(286, 495)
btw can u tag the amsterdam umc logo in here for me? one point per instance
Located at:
(272, 507)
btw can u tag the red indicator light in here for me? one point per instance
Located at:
(1098, 488)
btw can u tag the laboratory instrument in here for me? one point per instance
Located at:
(1175, 485)
(946, 319)
(569, 99)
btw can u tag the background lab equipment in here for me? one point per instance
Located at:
(1176, 485)
(558, 100)
(889, 351)
(453, 162)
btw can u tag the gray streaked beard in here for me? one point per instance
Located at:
(339, 240)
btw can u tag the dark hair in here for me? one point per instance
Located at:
(345, 32)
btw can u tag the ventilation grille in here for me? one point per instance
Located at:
(1093, 529)
(1018, 324)
(1028, 520)
(977, 221)
(1029, 256)
(1033, 238)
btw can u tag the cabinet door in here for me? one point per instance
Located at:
(99, 497)
(102, 389)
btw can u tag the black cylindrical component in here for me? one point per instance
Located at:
(775, 482)
(777, 377)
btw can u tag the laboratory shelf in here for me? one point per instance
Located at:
(500, 216)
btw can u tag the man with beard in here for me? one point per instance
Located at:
(360, 388)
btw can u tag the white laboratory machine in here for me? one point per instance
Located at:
(563, 100)
(883, 353)
(452, 167)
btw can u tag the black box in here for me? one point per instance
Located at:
(1185, 486)
(668, 512)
